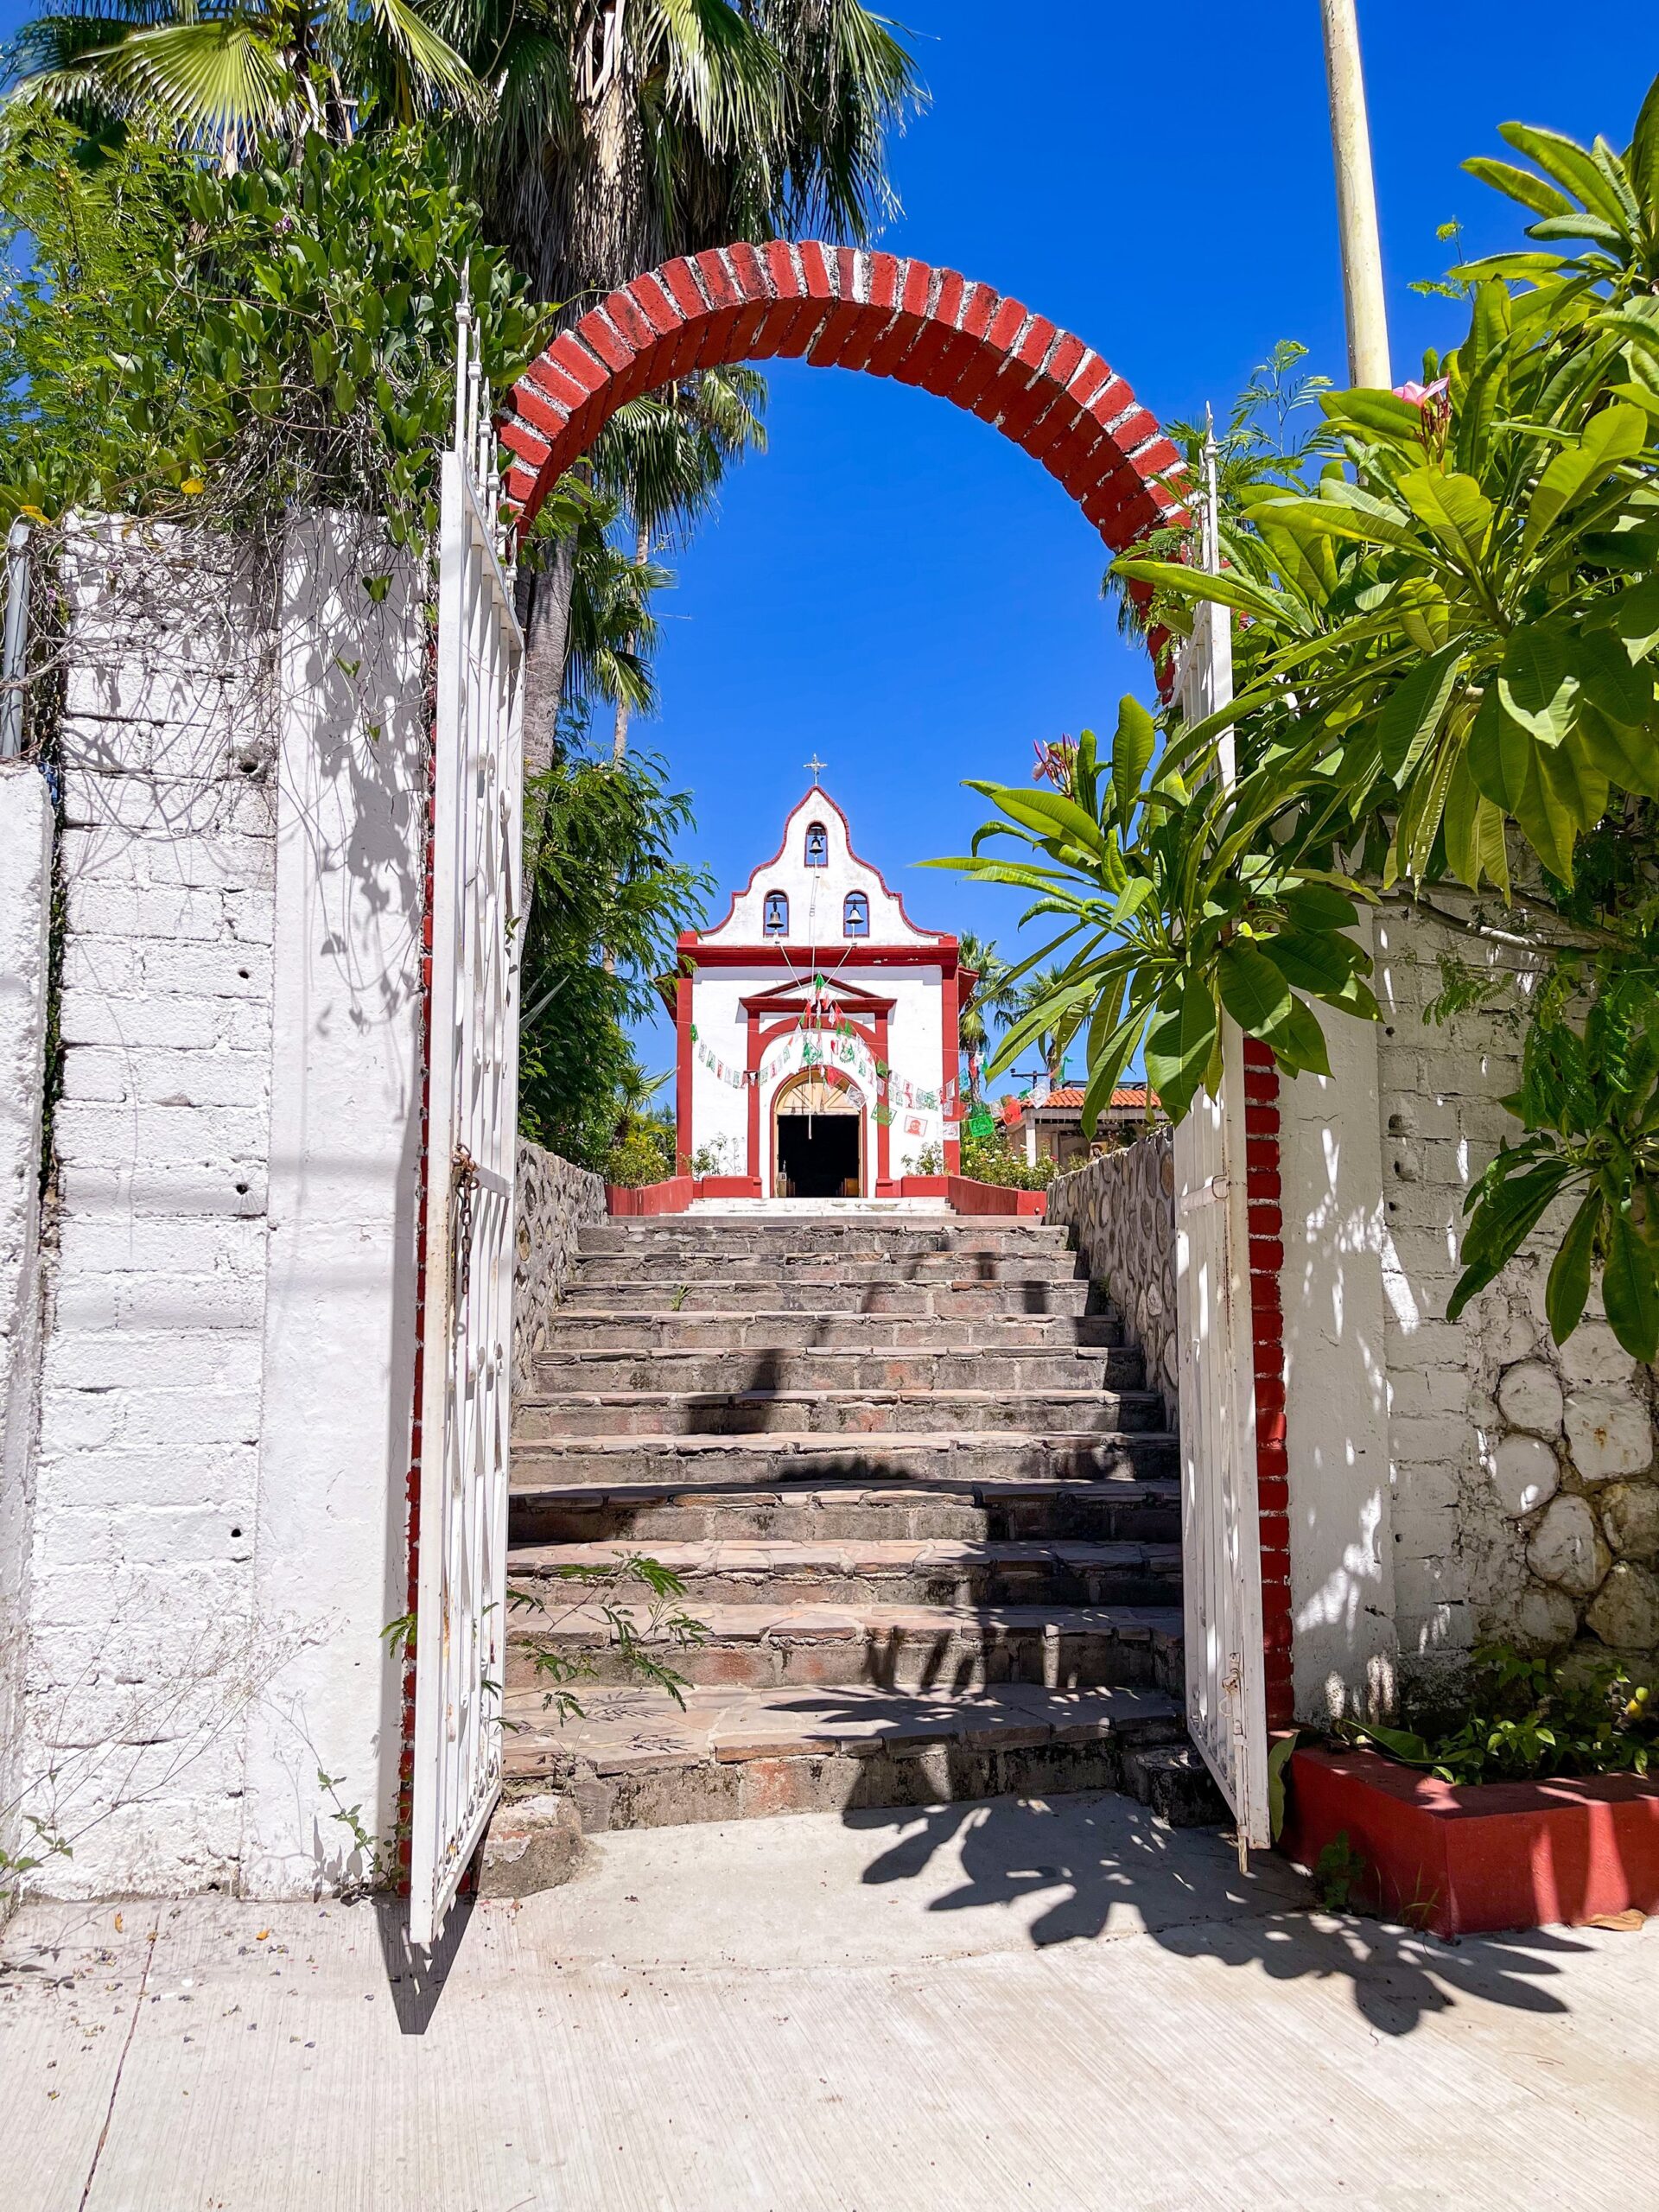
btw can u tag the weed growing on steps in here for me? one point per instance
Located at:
(638, 1630)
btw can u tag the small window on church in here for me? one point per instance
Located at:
(777, 914)
(855, 915)
(818, 845)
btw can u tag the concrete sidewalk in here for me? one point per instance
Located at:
(1061, 2007)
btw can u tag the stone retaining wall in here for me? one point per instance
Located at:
(556, 1203)
(1525, 1490)
(1123, 1208)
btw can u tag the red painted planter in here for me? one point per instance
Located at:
(649, 1200)
(1485, 1855)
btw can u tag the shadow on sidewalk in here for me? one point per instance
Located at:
(1107, 1868)
(416, 1978)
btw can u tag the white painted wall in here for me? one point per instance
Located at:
(1342, 1554)
(141, 1642)
(330, 1566)
(25, 911)
(1520, 1500)
(816, 895)
(223, 1440)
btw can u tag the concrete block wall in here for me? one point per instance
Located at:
(142, 1640)
(26, 847)
(1524, 1504)
(218, 1533)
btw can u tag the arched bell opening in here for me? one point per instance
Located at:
(818, 1137)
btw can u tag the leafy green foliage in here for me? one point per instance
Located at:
(1589, 1099)
(643, 1154)
(620, 136)
(1176, 903)
(994, 1159)
(604, 881)
(216, 346)
(987, 1009)
(637, 1599)
(1447, 673)
(1531, 1718)
(227, 74)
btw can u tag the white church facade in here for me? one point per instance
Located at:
(816, 1030)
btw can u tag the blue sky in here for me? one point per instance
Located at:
(899, 589)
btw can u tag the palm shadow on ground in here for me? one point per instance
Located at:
(1096, 1867)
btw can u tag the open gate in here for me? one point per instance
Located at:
(1221, 1549)
(477, 910)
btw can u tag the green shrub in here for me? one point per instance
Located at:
(1530, 1719)
(994, 1159)
(644, 1154)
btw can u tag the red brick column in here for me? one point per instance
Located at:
(1268, 1331)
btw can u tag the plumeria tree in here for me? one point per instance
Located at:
(1447, 656)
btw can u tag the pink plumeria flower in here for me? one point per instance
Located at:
(1419, 395)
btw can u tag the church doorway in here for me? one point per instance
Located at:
(817, 1139)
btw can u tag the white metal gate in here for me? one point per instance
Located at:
(473, 1111)
(1221, 1546)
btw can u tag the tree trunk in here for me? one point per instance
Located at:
(620, 737)
(543, 605)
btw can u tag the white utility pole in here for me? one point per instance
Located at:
(1361, 245)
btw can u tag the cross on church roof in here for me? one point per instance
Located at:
(816, 767)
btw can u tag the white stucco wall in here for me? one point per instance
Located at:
(1521, 1502)
(1342, 1552)
(25, 911)
(142, 1645)
(224, 1429)
(330, 1564)
(816, 895)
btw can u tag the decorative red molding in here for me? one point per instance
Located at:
(942, 941)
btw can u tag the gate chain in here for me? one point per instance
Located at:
(463, 1182)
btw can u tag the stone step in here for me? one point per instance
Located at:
(896, 1647)
(873, 1239)
(700, 1329)
(1174, 1781)
(926, 1571)
(635, 1759)
(886, 1460)
(1121, 1511)
(874, 1293)
(669, 1268)
(1004, 1370)
(831, 1413)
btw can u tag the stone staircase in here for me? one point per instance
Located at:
(921, 1502)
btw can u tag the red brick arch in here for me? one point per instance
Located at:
(842, 308)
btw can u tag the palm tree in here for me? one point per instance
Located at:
(1043, 983)
(223, 74)
(626, 131)
(992, 999)
(663, 457)
(623, 133)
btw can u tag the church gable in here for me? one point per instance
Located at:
(815, 890)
